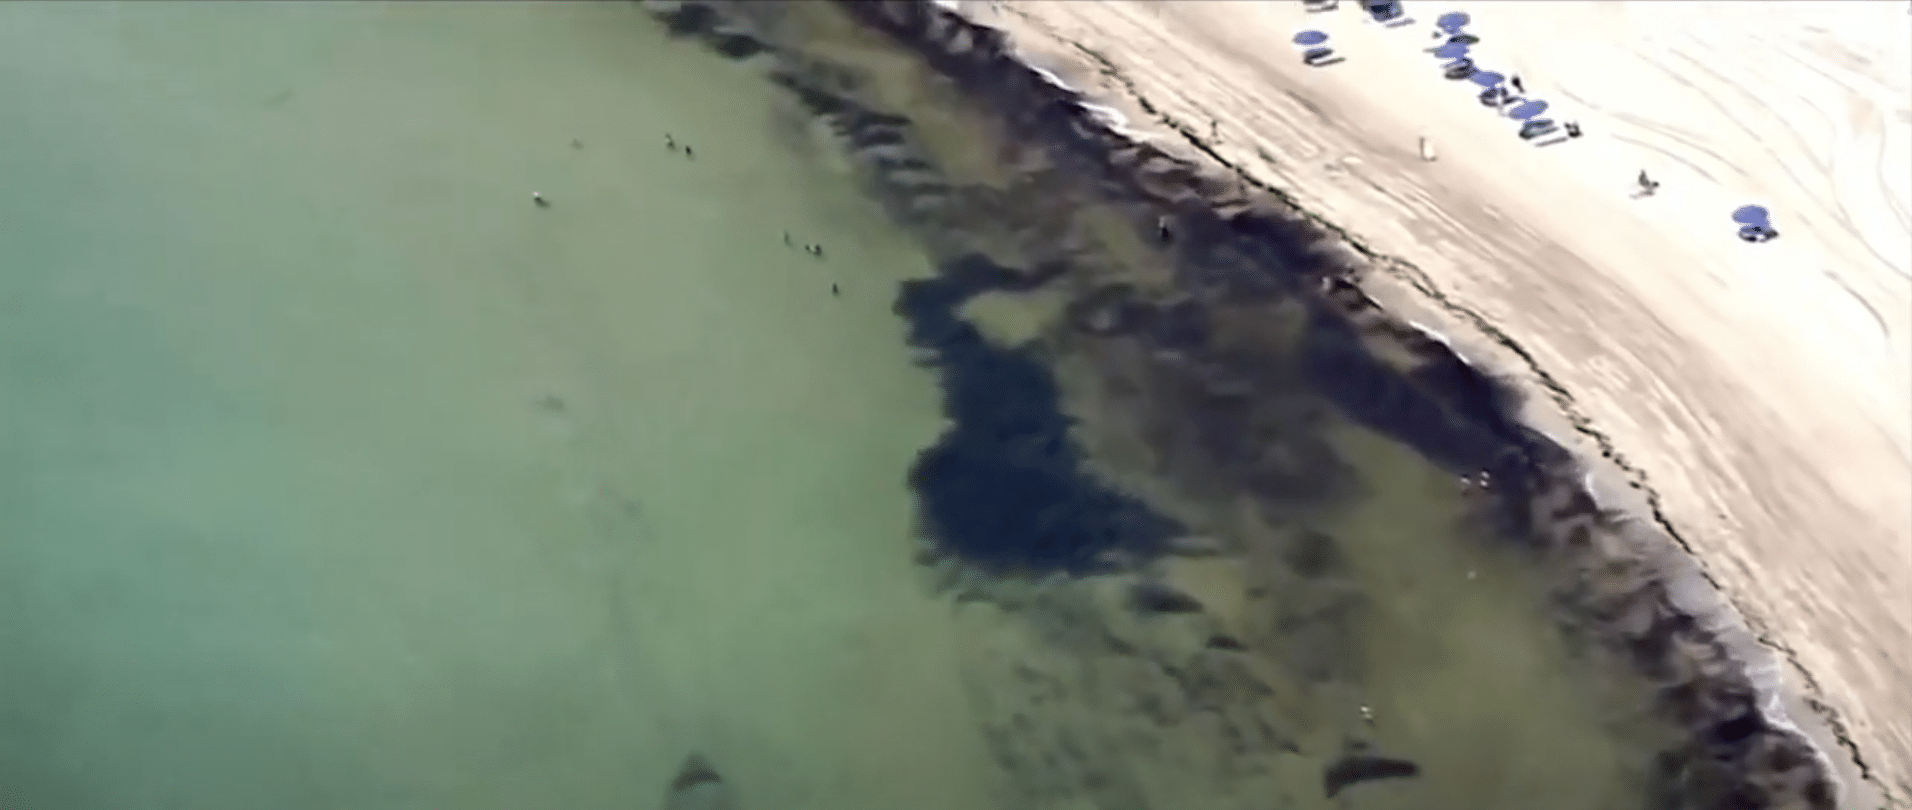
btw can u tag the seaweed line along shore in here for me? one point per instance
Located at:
(1234, 236)
(1751, 397)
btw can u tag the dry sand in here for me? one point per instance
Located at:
(1757, 392)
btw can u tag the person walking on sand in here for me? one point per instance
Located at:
(1647, 185)
(1515, 81)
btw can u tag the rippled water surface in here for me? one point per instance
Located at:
(335, 473)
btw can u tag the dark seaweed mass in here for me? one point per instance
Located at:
(1351, 770)
(703, 22)
(1370, 392)
(1448, 411)
(1004, 488)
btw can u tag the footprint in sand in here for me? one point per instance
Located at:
(698, 787)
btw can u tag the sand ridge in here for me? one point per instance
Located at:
(1761, 403)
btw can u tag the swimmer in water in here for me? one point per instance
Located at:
(539, 200)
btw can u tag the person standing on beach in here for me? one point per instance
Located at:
(1515, 81)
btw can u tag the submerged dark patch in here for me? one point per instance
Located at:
(737, 46)
(1004, 488)
(1375, 395)
(1468, 425)
(1361, 768)
(691, 19)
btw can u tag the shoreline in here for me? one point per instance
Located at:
(1834, 711)
(1632, 581)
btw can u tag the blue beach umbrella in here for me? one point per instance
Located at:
(1755, 215)
(1310, 38)
(1452, 50)
(1452, 22)
(1527, 109)
(1487, 78)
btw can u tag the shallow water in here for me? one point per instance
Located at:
(338, 474)
(333, 472)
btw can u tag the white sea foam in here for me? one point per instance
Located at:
(1052, 78)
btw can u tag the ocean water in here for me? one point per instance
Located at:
(336, 473)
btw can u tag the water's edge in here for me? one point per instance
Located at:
(1624, 577)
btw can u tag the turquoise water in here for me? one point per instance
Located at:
(337, 474)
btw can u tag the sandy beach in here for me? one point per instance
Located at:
(1754, 395)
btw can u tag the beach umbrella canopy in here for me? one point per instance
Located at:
(1487, 78)
(1452, 50)
(1535, 127)
(1752, 215)
(1452, 22)
(1308, 38)
(1527, 109)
